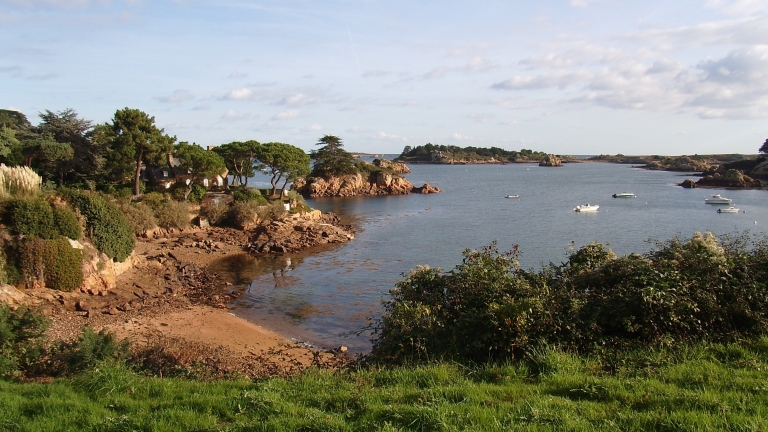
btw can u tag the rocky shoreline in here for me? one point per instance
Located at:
(167, 297)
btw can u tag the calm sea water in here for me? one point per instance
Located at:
(316, 297)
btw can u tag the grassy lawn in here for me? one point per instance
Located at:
(697, 388)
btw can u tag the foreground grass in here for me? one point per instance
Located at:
(698, 388)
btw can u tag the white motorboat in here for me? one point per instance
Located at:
(586, 208)
(512, 196)
(728, 210)
(717, 199)
(624, 195)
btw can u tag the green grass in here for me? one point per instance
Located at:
(698, 388)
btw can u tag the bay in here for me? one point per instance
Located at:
(319, 296)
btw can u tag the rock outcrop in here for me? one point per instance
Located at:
(376, 183)
(689, 184)
(731, 178)
(551, 161)
(397, 167)
(297, 233)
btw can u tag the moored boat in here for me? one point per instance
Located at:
(728, 210)
(717, 199)
(586, 208)
(512, 196)
(624, 195)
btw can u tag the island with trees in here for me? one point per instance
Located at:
(441, 154)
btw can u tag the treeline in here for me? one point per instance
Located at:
(441, 153)
(131, 152)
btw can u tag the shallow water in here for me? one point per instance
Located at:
(319, 295)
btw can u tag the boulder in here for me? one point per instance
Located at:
(11, 296)
(730, 178)
(551, 161)
(427, 188)
(689, 184)
(760, 171)
(376, 183)
(397, 167)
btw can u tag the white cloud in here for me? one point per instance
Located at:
(296, 100)
(459, 137)
(287, 114)
(232, 115)
(240, 94)
(313, 128)
(388, 137)
(177, 96)
(481, 118)
(183, 126)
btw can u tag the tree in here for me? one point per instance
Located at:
(331, 159)
(67, 129)
(764, 148)
(133, 141)
(200, 163)
(239, 158)
(283, 161)
(7, 140)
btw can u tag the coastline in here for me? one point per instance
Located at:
(170, 301)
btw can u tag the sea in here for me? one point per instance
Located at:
(327, 297)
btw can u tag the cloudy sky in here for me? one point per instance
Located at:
(562, 76)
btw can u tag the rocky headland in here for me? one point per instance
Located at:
(551, 161)
(369, 184)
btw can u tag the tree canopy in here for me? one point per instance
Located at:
(331, 159)
(133, 140)
(283, 161)
(200, 163)
(764, 147)
(240, 158)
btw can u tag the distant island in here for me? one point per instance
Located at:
(442, 154)
(721, 170)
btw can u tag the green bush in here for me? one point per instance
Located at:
(216, 213)
(55, 263)
(67, 224)
(173, 214)
(178, 192)
(489, 309)
(20, 339)
(106, 226)
(140, 216)
(30, 217)
(90, 349)
(153, 200)
(274, 211)
(249, 194)
(197, 194)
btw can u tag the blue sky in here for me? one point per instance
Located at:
(568, 76)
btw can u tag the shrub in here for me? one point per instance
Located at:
(489, 309)
(107, 227)
(242, 213)
(178, 192)
(140, 216)
(55, 263)
(173, 214)
(274, 211)
(88, 350)
(67, 223)
(249, 194)
(215, 212)
(20, 334)
(153, 200)
(30, 217)
(197, 194)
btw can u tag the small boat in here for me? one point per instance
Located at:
(512, 196)
(624, 195)
(586, 208)
(728, 210)
(717, 199)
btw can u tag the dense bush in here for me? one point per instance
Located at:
(173, 214)
(67, 224)
(249, 194)
(106, 226)
(197, 193)
(275, 210)
(20, 333)
(153, 200)
(86, 352)
(55, 263)
(242, 213)
(487, 308)
(30, 217)
(215, 212)
(140, 216)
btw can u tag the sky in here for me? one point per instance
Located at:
(573, 77)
